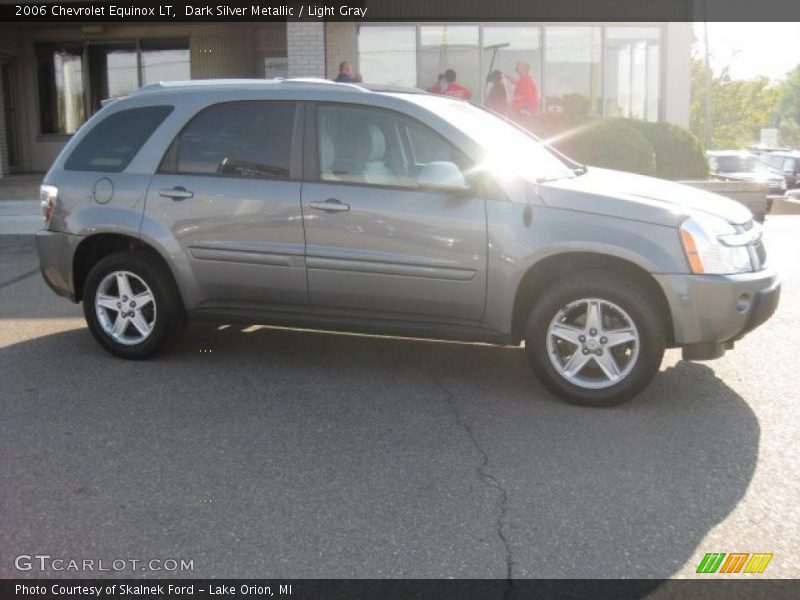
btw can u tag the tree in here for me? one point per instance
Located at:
(739, 108)
(788, 118)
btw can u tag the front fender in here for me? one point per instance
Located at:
(516, 247)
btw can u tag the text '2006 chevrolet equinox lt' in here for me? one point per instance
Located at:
(338, 206)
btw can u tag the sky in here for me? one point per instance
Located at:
(750, 49)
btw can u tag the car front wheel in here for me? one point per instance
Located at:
(595, 338)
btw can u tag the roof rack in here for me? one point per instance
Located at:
(195, 84)
(295, 82)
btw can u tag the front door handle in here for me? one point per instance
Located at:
(176, 193)
(330, 205)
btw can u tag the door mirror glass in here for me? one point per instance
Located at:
(442, 176)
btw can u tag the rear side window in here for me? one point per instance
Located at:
(111, 144)
(238, 139)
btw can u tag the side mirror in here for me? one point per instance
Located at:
(442, 176)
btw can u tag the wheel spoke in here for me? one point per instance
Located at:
(567, 333)
(575, 363)
(143, 299)
(124, 286)
(594, 318)
(140, 323)
(608, 364)
(120, 325)
(619, 336)
(107, 301)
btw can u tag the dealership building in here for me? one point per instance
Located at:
(54, 76)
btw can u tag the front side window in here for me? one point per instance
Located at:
(238, 139)
(111, 144)
(377, 147)
(507, 149)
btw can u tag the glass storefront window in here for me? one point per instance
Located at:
(75, 77)
(445, 47)
(632, 72)
(572, 70)
(60, 76)
(113, 71)
(503, 48)
(388, 55)
(165, 60)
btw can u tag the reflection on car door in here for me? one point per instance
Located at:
(376, 243)
(227, 191)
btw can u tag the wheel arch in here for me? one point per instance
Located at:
(555, 266)
(96, 247)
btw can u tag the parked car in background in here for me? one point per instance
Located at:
(740, 165)
(339, 206)
(785, 164)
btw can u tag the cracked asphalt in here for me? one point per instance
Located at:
(266, 452)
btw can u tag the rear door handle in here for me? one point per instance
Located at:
(176, 193)
(330, 205)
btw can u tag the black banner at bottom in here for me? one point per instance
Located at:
(397, 589)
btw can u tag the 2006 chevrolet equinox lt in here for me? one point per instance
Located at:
(344, 207)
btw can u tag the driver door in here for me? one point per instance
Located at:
(377, 243)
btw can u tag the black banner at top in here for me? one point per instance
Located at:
(397, 10)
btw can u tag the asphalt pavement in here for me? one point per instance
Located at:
(268, 452)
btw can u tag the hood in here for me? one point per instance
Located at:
(637, 197)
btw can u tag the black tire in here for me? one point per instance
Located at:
(170, 318)
(621, 290)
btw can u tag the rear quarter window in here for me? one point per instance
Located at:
(111, 144)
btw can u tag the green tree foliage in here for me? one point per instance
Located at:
(739, 108)
(788, 118)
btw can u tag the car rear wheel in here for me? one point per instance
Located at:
(132, 305)
(595, 338)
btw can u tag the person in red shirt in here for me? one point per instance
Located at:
(526, 94)
(451, 88)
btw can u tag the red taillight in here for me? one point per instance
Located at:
(48, 195)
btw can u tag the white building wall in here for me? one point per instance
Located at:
(677, 77)
(305, 48)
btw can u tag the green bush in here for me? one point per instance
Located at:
(609, 143)
(679, 154)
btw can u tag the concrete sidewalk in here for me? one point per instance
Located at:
(20, 187)
(20, 217)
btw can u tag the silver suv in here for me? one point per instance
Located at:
(339, 206)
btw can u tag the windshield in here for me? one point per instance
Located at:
(507, 148)
(739, 164)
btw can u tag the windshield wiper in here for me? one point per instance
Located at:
(580, 170)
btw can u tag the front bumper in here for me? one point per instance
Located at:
(711, 312)
(56, 251)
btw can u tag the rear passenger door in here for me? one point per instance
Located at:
(229, 191)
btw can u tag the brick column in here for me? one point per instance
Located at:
(305, 49)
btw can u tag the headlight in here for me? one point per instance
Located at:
(715, 247)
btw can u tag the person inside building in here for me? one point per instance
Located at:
(346, 74)
(440, 86)
(447, 86)
(525, 100)
(496, 94)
